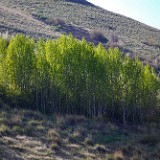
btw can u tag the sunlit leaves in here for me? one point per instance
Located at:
(71, 76)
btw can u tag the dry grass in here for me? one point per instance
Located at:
(118, 155)
(73, 137)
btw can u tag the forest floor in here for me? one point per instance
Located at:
(29, 135)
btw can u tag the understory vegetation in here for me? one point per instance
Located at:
(69, 76)
(26, 134)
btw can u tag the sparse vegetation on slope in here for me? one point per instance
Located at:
(30, 135)
(80, 18)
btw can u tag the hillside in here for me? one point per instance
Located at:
(63, 98)
(30, 135)
(50, 18)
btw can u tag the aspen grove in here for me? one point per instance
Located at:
(69, 76)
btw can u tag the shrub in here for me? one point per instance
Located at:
(72, 139)
(54, 137)
(58, 21)
(29, 130)
(55, 147)
(89, 141)
(40, 128)
(42, 17)
(118, 155)
(100, 148)
(74, 120)
(99, 36)
(110, 157)
(126, 150)
(34, 123)
(3, 128)
(150, 140)
(17, 129)
(52, 133)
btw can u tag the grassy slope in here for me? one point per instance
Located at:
(80, 18)
(29, 135)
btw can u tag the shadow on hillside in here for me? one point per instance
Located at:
(77, 32)
(126, 51)
(12, 31)
(60, 26)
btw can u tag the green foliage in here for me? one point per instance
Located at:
(75, 77)
(19, 62)
(17, 129)
(3, 50)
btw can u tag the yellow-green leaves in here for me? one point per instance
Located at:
(71, 76)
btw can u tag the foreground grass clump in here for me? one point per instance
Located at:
(100, 148)
(3, 128)
(73, 136)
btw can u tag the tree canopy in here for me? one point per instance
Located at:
(75, 77)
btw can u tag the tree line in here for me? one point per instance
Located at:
(69, 76)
